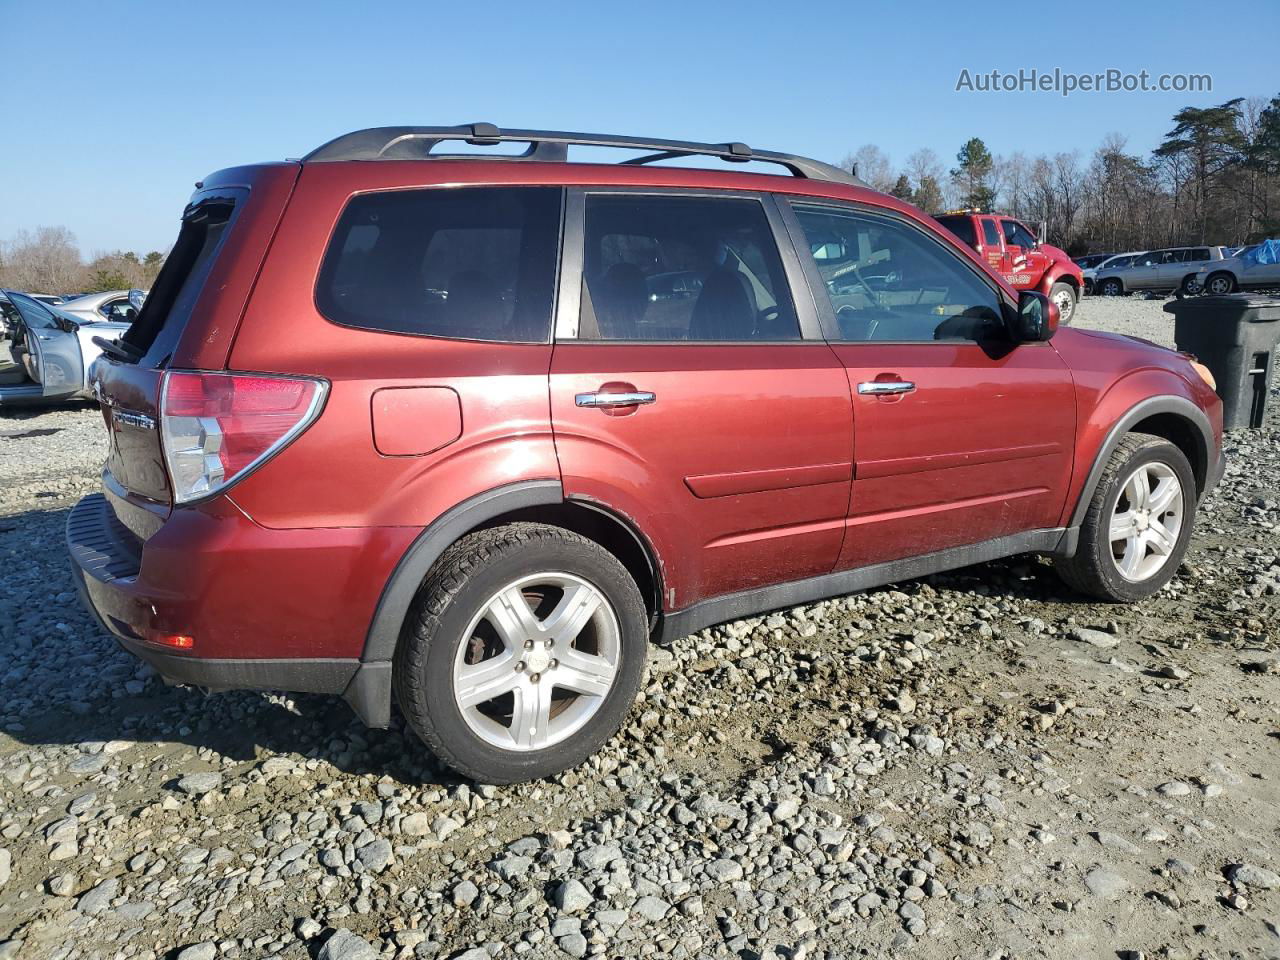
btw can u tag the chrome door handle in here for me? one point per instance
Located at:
(614, 399)
(882, 387)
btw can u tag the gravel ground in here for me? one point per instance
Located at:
(975, 765)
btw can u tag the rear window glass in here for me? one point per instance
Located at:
(962, 227)
(474, 263)
(164, 314)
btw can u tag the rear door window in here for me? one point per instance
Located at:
(682, 268)
(990, 233)
(474, 263)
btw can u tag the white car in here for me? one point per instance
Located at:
(1254, 268)
(49, 351)
(112, 305)
(1116, 260)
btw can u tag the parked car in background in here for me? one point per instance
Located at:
(1020, 255)
(1158, 271)
(1254, 268)
(1116, 260)
(1092, 260)
(50, 351)
(113, 305)
(391, 419)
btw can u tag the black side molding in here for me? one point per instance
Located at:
(749, 603)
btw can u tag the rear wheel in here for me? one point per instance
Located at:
(1220, 283)
(1111, 287)
(1064, 296)
(1136, 530)
(523, 654)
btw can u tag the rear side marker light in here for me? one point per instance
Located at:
(217, 427)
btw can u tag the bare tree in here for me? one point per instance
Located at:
(872, 166)
(45, 260)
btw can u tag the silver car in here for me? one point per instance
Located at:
(1253, 268)
(1166, 270)
(112, 305)
(49, 351)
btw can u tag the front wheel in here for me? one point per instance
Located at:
(523, 654)
(1220, 284)
(1138, 525)
(1064, 296)
(1191, 286)
(1112, 287)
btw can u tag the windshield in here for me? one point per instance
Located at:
(34, 313)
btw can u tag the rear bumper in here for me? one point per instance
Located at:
(268, 609)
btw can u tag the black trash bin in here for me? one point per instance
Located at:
(1234, 336)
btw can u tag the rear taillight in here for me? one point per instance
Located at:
(215, 427)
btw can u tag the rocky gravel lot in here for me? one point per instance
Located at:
(976, 765)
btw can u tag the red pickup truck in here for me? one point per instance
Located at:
(1020, 256)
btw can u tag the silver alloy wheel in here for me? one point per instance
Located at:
(1220, 285)
(536, 662)
(1111, 288)
(1191, 286)
(1066, 302)
(1146, 521)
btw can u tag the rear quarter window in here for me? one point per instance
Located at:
(962, 227)
(470, 263)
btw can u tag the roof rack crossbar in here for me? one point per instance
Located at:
(418, 143)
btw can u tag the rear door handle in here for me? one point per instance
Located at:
(630, 399)
(879, 388)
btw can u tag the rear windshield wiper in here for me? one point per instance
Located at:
(118, 350)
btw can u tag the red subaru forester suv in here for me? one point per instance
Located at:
(470, 430)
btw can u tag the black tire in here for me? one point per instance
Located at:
(1059, 294)
(1092, 570)
(1111, 287)
(1191, 286)
(1220, 283)
(455, 590)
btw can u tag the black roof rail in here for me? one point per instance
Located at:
(417, 143)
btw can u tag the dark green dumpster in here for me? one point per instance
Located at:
(1234, 336)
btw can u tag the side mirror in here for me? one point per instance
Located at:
(1037, 318)
(1042, 232)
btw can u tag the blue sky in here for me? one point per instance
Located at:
(112, 110)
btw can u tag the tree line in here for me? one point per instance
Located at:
(1214, 179)
(47, 260)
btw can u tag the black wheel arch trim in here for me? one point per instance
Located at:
(439, 535)
(638, 536)
(1150, 407)
(369, 691)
